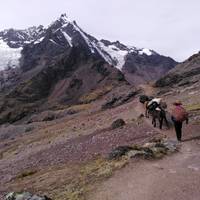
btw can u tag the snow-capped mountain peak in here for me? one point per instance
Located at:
(64, 34)
(64, 18)
(67, 34)
(62, 21)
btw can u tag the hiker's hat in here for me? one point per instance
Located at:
(177, 103)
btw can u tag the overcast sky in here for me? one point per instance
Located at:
(170, 27)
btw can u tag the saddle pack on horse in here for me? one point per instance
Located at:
(154, 104)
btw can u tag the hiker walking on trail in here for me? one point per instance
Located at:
(179, 115)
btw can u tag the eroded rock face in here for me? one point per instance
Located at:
(24, 196)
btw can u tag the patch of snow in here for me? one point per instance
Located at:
(148, 52)
(91, 45)
(132, 49)
(54, 42)
(9, 57)
(38, 41)
(65, 25)
(105, 57)
(13, 42)
(27, 42)
(115, 53)
(68, 38)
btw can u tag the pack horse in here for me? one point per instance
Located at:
(156, 108)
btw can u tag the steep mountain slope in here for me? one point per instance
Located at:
(59, 86)
(61, 65)
(184, 74)
(57, 71)
(146, 66)
(183, 83)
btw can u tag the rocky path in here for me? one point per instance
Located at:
(173, 177)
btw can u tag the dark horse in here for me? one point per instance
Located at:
(157, 113)
(160, 115)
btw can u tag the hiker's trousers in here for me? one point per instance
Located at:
(178, 129)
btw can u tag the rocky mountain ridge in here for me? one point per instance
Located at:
(64, 34)
(18, 38)
(184, 74)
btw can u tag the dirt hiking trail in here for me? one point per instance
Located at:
(174, 177)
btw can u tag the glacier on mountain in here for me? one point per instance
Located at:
(9, 57)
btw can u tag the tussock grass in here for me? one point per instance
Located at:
(193, 107)
(88, 175)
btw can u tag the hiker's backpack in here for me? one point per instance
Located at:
(143, 99)
(152, 106)
(179, 114)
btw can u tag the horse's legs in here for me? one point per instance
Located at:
(154, 121)
(161, 122)
(147, 113)
(166, 121)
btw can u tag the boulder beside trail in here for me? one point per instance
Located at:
(118, 123)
